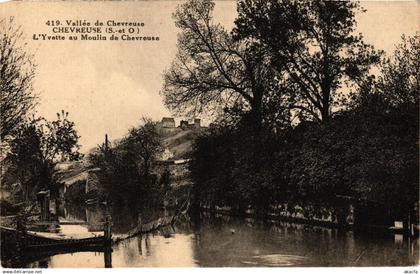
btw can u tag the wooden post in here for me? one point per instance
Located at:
(44, 202)
(107, 229)
(20, 237)
(108, 257)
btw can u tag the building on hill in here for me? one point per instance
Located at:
(197, 123)
(167, 125)
(183, 124)
(186, 125)
(168, 122)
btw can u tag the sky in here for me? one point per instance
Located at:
(107, 86)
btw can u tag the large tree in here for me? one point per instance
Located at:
(145, 144)
(16, 73)
(127, 168)
(61, 139)
(36, 147)
(314, 43)
(367, 155)
(212, 71)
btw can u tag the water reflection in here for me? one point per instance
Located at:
(238, 244)
(223, 241)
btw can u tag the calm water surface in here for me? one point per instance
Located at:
(224, 242)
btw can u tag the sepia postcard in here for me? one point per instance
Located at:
(209, 133)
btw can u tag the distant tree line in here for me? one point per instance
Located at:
(302, 120)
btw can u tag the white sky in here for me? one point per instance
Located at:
(108, 86)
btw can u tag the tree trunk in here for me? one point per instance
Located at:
(256, 127)
(325, 112)
(256, 112)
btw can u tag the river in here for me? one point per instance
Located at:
(227, 242)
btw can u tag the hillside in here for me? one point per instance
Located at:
(179, 142)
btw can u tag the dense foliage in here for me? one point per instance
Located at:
(364, 157)
(330, 137)
(127, 167)
(228, 171)
(36, 147)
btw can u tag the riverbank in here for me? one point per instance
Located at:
(283, 216)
